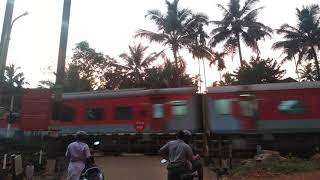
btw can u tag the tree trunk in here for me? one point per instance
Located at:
(199, 75)
(141, 81)
(204, 74)
(296, 64)
(176, 71)
(239, 48)
(316, 62)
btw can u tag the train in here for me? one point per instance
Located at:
(275, 116)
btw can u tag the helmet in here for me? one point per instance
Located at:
(180, 135)
(187, 133)
(81, 135)
(187, 136)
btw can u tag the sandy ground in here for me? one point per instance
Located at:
(132, 167)
(139, 167)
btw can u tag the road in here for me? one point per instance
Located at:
(136, 167)
(133, 167)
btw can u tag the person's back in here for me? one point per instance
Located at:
(178, 151)
(77, 153)
(179, 155)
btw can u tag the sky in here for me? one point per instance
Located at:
(109, 27)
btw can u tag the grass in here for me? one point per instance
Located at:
(296, 166)
(292, 166)
(242, 169)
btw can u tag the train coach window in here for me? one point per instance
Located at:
(291, 107)
(179, 108)
(68, 114)
(94, 114)
(248, 108)
(157, 111)
(123, 113)
(222, 106)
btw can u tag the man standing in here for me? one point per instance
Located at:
(77, 152)
(179, 155)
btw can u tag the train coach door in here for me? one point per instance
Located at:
(158, 113)
(248, 111)
(140, 123)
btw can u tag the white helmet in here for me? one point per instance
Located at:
(187, 136)
(187, 133)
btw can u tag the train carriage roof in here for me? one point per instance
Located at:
(126, 93)
(264, 87)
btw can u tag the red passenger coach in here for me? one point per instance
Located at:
(35, 113)
(119, 111)
(32, 110)
(278, 116)
(278, 107)
(130, 111)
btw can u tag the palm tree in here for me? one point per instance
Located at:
(218, 58)
(239, 23)
(200, 50)
(136, 61)
(308, 73)
(175, 29)
(14, 78)
(290, 54)
(303, 39)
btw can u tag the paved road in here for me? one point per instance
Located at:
(136, 168)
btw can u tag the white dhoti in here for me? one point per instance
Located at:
(74, 170)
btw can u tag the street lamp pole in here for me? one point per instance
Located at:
(4, 52)
(15, 19)
(4, 36)
(6, 39)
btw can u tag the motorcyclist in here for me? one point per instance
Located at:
(179, 155)
(78, 153)
(197, 165)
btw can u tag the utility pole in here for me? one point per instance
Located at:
(6, 28)
(54, 146)
(61, 60)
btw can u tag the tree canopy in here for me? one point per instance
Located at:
(14, 78)
(176, 29)
(239, 23)
(182, 30)
(302, 41)
(257, 71)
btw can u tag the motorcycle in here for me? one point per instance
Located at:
(92, 171)
(187, 176)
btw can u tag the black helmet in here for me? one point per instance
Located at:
(81, 135)
(187, 136)
(180, 135)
